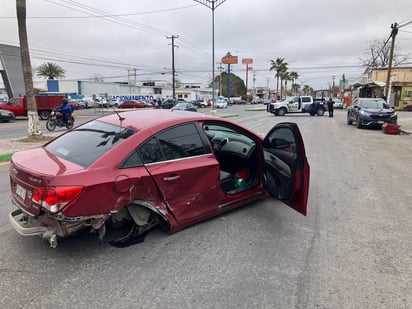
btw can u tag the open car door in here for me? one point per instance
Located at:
(286, 167)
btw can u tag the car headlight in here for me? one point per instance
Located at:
(365, 113)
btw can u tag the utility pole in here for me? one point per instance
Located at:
(333, 87)
(220, 67)
(388, 78)
(212, 4)
(173, 37)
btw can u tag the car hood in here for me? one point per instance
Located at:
(378, 110)
(39, 161)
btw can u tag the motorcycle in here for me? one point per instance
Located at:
(56, 120)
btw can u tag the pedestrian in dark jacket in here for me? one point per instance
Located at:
(330, 107)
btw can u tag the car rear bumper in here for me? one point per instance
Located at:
(18, 221)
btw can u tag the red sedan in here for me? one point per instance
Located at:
(152, 168)
(132, 104)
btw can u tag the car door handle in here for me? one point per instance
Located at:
(171, 178)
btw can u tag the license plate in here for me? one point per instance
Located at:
(21, 192)
(381, 122)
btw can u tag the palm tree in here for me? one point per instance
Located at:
(294, 76)
(295, 88)
(307, 89)
(50, 70)
(286, 77)
(279, 65)
(33, 118)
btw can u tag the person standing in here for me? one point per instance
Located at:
(330, 107)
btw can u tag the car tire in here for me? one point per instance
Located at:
(320, 112)
(281, 112)
(44, 115)
(359, 122)
(51, 124)
(349, 121)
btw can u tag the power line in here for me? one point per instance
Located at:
(103, 15)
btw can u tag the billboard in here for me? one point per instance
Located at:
(229, 59)
(11, 70)
(247, 61)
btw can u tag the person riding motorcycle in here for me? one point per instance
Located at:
(66, 109)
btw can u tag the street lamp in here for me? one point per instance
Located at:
(212, 4)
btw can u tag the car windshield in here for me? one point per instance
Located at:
(88, 142)
(378, 104)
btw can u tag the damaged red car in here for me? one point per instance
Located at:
(152, 168)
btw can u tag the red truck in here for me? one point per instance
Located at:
(45, 104)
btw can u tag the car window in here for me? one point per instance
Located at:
(283, 141)
(150, 151)
(14, 101)
(88, 142)
(305, 99)
(175, 143)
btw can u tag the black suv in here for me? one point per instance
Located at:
(370, 112)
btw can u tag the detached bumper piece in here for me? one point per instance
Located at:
(390, 128)
(19, 221)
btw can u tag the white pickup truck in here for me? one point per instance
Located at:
(297, 104)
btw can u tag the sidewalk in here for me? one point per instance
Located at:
(10, 145)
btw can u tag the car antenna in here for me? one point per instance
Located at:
(118, 115)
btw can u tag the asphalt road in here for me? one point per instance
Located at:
(353, 250)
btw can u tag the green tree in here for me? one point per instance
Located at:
(50, 70)
(307, 89)
(279, 66)
(293, 76)
(237, 85)
(295, 88)
(33, 118)
(286, 77)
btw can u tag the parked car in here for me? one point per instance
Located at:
(239, 102)
(337, 103)
(184, 107)
(257, 101)
(221, 104)
(74, 104)
(167, 103)
(6, 116)
(199, 103)
(408, 107)
(132, 104)
(370, 112)
(152, 168)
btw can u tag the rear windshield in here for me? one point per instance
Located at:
(88, 142)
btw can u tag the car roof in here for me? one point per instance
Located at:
(141, 119)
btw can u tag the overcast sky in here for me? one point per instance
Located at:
(318, 38)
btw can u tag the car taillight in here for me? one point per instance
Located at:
(55, 198)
